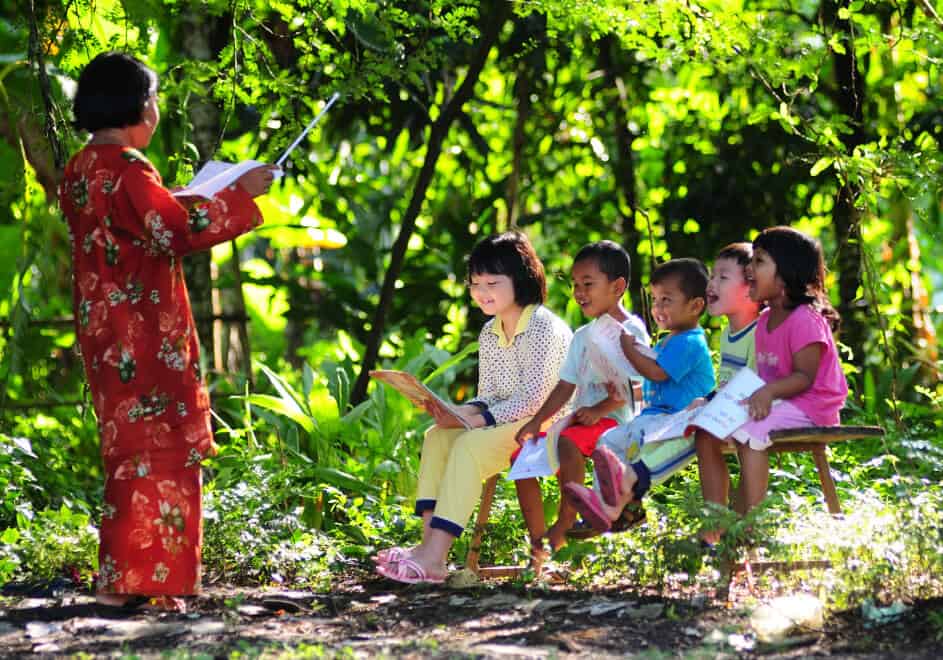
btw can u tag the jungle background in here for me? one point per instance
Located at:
(673, 127)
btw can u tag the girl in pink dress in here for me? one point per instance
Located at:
(795, 355)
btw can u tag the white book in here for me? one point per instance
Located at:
(216, 175)
(414, 390)
(604, 352)
(539, 457)
(720, 417)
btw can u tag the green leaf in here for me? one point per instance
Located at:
(288, 393)
(821, 165)
(448, 364)
(339, 479)
(283, 407)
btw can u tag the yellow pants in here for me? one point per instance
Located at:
(453, 465)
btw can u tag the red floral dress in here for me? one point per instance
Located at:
(141, 355)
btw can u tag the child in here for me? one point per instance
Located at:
(520, 352)
(680, 372)
(795, 355)
(137, 335)
(728, 294)
(601, 273)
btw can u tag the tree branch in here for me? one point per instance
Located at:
(492, 19)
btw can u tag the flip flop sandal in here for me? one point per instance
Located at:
(407, 571)
(587, 502)
(390, 555)
(609, 471)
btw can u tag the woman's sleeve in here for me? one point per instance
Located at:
(546, 351)
(170, 228)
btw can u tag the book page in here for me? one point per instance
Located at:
(413, 389)
(539, 456)
(725, 413)
(217, 175)
(604, 351)
(675, 426)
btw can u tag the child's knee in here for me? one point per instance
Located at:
(706, 444)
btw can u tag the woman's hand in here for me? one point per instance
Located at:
(760, 403)
(696, 403)
(257, 181)
(527, 432)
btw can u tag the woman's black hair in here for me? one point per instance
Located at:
(801, 267)
(511, 254)
(113, 90)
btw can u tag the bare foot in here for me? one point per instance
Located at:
(153, 604)
(165, 604)
(556, 536)
(711, 536)
(112, 600)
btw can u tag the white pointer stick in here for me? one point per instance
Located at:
(307, 129)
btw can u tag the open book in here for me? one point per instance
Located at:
(217, 175)
(413, 389)
(539, 456)
(720, 417)
(604, 352)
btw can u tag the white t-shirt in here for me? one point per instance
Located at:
(590, 386)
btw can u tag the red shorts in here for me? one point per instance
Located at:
(584, 437)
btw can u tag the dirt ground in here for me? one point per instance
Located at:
(364, 616)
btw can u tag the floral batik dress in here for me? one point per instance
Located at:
(141, 354)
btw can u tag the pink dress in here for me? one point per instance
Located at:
(820, 404)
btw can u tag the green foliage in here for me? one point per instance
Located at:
(48, 544)
(674, 128)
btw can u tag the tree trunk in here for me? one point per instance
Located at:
(195, 42)
(623, 167)
(846, 218)
(492, 18)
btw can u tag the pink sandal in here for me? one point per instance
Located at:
(587, 502)
(408, 571)
(390, 555)
(609, 472)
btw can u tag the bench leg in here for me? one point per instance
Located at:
(825, 477)
(484, 511)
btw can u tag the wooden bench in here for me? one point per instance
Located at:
(814, 440)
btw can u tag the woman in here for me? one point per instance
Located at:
(521, 350)
(137, 335)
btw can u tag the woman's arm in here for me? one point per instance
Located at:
(171, 228)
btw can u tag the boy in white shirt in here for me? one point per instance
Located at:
(601, 273)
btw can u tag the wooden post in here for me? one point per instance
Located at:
(484, 511)
(825, 477)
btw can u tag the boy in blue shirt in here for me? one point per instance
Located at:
(680, 371)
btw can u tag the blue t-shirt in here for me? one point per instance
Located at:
(686, 359)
